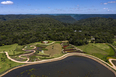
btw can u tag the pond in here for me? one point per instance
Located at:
(73, 66)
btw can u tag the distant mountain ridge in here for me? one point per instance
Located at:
(65, 19)
(85, 16)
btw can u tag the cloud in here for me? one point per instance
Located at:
(112, 2)
(36, 10)
(60, 10)
(89, 9)
(49, 7)
(105, 8)
(105, 3)
(6, 2)
(109, 2)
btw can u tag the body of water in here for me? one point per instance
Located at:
(73, 66)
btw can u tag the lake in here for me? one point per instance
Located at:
(73, 66)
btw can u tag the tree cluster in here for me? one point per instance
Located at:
(25, 31)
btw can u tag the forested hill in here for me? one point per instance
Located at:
(21, 25)
(24, 31)
(85, 16)
(65, 19)
(101, 24)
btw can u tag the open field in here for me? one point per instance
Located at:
(6, 64)
(39, 43)
(13, 49)
(27, 47)
(53, 49)
(99, 50)
(8, 47)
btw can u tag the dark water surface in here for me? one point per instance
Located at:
(73, 66)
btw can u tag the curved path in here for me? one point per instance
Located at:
(21, 55)
(28, 54)
(60, 58)
(63, 57)
(110, 60)
(24, 55)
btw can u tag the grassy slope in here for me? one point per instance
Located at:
(56, 49)
(7, 64)
(99, 50)
(11, 48)
(8, 47)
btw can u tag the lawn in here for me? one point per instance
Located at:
(12, 49)
(27, 47)
(99, 50)
(39, 43)
(6, 64)
(8, 47)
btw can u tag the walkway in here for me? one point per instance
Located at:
(62, 57)
(24, 55)
(65, 56)
(110, 60)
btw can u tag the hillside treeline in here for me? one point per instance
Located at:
(25, 31)
(62, 18)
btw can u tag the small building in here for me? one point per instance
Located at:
(80, 30)
(45, 42)
(92, 38)
(75, 30)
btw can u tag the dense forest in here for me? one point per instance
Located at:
(62, 18)
(26, 30)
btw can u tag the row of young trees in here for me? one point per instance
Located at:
(24, 31)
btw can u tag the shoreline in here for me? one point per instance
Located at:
(63, 57)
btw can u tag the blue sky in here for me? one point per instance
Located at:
(58, 7)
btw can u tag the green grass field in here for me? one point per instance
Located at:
(50, 41)
(99, 50)
(8, 47)
(6, 64)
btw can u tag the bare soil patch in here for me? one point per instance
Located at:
(53, 49)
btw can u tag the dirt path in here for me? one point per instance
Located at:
(24, 55)
(110, 60)
(63, 57)
(28, 54)
(21, 55)
(60, 58)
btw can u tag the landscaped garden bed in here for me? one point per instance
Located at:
(18, 58)
(68, 48)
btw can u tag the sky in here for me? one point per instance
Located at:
(57, 6)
